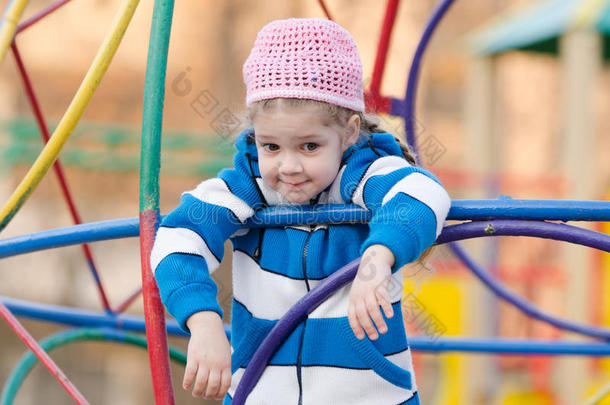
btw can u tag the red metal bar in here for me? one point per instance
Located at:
(377, 102)
(382, 52)
(156, 333)
(42, 355)
(121, 308)
(325, 9)
(44, 132)
(40, 15)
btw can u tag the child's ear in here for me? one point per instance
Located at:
(352, 131)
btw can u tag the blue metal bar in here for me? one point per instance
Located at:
(551, 210)
(70, 235)
(79, 317)
(508, 346)
(554, 210)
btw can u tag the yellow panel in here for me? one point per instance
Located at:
(441, 299)
(527, 398)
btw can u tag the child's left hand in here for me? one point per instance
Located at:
(370, 291)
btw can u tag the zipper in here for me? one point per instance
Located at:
(258, 189)
(299, 359)
(258, 250)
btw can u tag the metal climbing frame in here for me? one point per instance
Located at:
(502, 217)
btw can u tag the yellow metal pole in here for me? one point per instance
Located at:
(8, 25)
(588, 14)
(72, 115)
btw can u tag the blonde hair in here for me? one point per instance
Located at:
(369, 124)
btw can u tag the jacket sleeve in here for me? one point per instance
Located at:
(408, 204)
(189, 244)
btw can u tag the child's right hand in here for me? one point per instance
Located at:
(208, 362)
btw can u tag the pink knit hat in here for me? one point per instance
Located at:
(310, 58)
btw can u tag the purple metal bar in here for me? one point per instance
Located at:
(523, 305)
(537, 229)
(289, 321)
(409, 106)
(40, 15)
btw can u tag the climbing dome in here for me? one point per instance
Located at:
(471, 219)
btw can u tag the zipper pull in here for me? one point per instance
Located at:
(257, 251)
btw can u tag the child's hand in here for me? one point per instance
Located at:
(370, 291)
(208, 362)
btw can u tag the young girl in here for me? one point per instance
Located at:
(309, 144)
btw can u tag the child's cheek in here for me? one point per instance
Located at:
(268, 173)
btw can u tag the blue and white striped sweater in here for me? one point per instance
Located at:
(321, 361)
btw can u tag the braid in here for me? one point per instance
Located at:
(370, 125)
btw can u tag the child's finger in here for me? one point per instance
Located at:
(365, 321)
(213, 384)
(189, 375)
(373, 307)
(385, 303)
(225, 384)
(201, 381)
(353, 322)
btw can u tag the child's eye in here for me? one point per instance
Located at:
(270, 147)
(310, 146)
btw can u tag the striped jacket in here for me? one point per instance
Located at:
(321, 362)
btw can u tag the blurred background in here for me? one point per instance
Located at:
(507, 106)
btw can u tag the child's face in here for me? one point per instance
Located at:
(299, 153)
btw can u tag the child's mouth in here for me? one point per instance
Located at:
(294, 184)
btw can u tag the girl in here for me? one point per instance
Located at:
(309, 144)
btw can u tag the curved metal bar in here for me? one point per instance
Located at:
(48, 362)
(287, 323)
(8, 24)
(71, 116)
(537, 229)
(311, 301)
(58, 168)
(525, 306)
(409, 106)
(28, 360)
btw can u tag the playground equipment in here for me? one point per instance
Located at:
(501, 217)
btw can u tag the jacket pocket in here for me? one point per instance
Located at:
(370, 356)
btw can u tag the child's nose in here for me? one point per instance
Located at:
(290, 166)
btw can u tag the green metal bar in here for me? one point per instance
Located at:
(29, 360)
(152, 118)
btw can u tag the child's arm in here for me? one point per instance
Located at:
(189, 246)
(409, 207)
(208, 363)
(370, 291)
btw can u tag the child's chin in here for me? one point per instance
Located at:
(297, 199)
